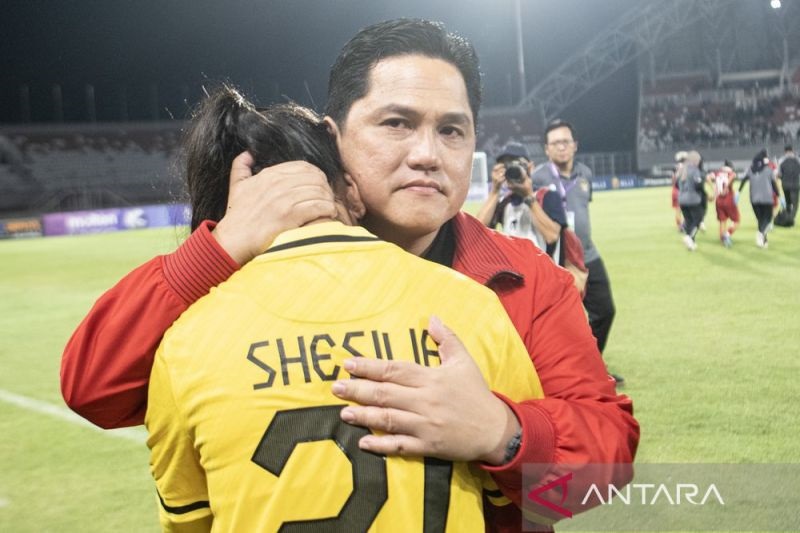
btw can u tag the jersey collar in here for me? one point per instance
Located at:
(320, 233)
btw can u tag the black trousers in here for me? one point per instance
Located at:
(598, 302)
(791, 201)
(763, 213)
(692, 217)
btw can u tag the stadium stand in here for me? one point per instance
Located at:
(718, 117)
(87, 166)
(744, 112)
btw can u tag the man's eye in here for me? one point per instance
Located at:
(452, 131)
(395, 123)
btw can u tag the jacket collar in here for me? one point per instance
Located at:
(478, 254)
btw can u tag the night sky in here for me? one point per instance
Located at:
(277, 49)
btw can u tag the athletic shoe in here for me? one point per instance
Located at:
(761, 242)
(689, 243)
(703, 227)
(726, 241)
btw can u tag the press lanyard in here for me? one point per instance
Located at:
(560, 184)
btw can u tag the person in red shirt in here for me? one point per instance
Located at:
(403, 101)
(680, 158)
(725, 201)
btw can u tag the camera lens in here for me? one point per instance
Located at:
(514, 173)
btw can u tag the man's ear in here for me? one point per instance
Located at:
(355, 206)
(332, 127)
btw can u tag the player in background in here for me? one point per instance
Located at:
(680, 157)
(763, 190)
(725, 200)
(245, 433)
(789, 174)
(691, 197)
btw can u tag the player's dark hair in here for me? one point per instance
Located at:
(349, 76)
(227, 124)
(558, 123)
(758, 161)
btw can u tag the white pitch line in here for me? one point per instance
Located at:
(138, 435)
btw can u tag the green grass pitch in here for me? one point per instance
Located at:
(708, 343)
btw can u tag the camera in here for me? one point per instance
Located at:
(516, 172)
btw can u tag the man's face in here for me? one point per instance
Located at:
(560, 147)
(408, 146)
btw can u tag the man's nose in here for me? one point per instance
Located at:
(424, 152)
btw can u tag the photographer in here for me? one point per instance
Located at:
(539, 216)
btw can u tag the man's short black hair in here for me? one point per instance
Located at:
(787, 148)
(349, 76)
(558, 123)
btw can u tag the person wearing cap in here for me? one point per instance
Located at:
(680, 157)
(539, 217)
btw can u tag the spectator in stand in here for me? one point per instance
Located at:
(789, 174)
(725, 202)
(690, 198)
(680, 158)
(763, 187)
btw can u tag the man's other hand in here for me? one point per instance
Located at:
(261, 206)
(446, 412)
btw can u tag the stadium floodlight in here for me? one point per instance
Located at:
(776, 4)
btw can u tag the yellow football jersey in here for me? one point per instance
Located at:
(244, 429)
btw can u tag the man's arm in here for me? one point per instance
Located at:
(486, 214)
(581, 420)
(548, 214)
(106, 364)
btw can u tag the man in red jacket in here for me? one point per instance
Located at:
(403, 100)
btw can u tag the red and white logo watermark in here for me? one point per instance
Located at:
(662, 497)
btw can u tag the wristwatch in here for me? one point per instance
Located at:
(512, 447)
(528, 200)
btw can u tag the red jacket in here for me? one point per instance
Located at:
(106, 364)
